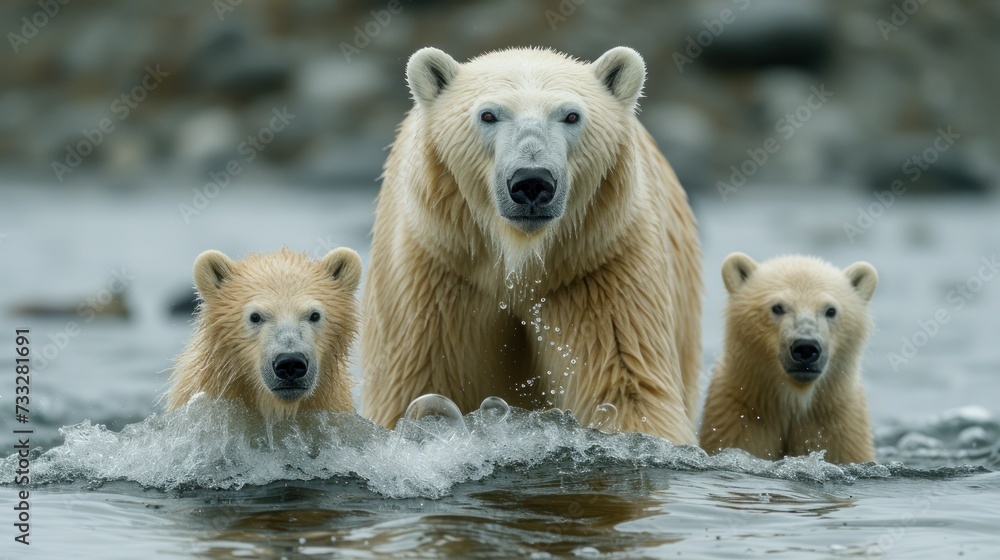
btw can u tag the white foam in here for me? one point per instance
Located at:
(212, 444)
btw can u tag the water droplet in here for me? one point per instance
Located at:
(553, 391)
(573, 361)
(495, 409)
(503, 305)
(539, 338)
(435, 416)
(509, 282)
(542, 300)
(524, 323)
(548, 373)
(643, 419)
(558, 329)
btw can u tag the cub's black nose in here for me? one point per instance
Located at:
(532, 186)
(290, 366)
(805, 351)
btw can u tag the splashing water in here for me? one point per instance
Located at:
(494, 409)
(605, 418)
(434, 416)
(222, 445)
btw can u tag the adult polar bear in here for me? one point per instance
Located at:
(522, 194)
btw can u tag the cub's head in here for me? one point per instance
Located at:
(799, 313)
(276, 327)
(528, 134)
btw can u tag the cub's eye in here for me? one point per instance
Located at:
(488, 117)
(314, 318)
(777, 309)
(255, 317)
(831, 313)
(571, 118)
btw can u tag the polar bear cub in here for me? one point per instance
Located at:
(789, 380)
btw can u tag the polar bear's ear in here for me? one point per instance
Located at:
(344, 265)
(736, 270)
(429, 72)
(211, 268)
(623, 72)
(863, 278)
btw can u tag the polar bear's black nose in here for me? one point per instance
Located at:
(805, 351)
(532, 186)
(290, 366)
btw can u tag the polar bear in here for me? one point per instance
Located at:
(789, 378)
(531, 242)
(274, 331)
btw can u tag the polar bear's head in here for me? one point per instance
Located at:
(274, 325)
(528, 134)
(798, 315)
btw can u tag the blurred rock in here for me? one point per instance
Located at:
(769, 33)
(233, 64)
(923, 170)
(116, 308)
(185, 303)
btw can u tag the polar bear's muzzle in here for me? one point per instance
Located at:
(290, 376)
(531, 191)
(805, 360)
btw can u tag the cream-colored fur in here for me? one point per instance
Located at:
(227, 352)
(454, 290)
(753, 403)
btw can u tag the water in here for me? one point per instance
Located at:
(124, 479)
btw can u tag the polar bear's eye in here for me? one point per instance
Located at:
(777, 309)
(314, 318)
(572, 118)
(831, 313)
(255, 317)
(488, 117)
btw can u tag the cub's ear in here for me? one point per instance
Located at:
(344, 265)
(623, 72)
(863, 278)
(736, 270)
(429, 72)
(211, 268)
